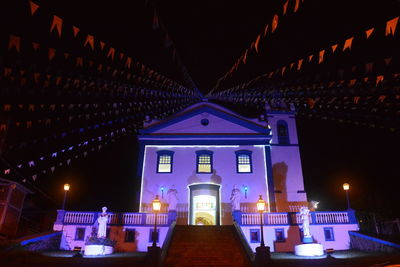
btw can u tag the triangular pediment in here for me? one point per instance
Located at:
(205, 119)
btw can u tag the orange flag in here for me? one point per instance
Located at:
(299, 64)
(285, 7)
(35, 46)
(90, 40)
(111, 53)
(128, 62)
(310, 57)
(274, 23)
(75, 30)
(365, 79)
(348, 43)
(391, 26)
(379, 79)
(296, 7)
(266, 29)
(368, 67)
(34, 7)
(245, 57)
(52, 53)
(102, 44)
(381, 98)
(256, 43)
(15, 41)
(321, 56)
(352, 82)
(334, 48)
(369, 32)
(387, 60)
(283, 70)
(291, 65)
(79, 62)
(57, 23)
(356, 98)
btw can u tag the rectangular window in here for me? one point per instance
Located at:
(254, 235)
(243, 163)
(151, 235)
(164, 162)
(80, 233)
(130, 235)
(204, 161)
(280, 235)
(328, 232)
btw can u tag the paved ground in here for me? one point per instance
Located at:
(65, 259)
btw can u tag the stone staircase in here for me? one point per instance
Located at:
(206, 246)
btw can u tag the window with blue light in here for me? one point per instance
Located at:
(151, 235)
(328, 233)
(80, 233)
(130, 235)
(243, 161)
(164, 161)
(204, 161)
(254, 235)
(283, 133)
(280, 235)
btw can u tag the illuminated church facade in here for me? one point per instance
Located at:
(209, 166)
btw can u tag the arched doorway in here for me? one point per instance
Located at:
(204, 204)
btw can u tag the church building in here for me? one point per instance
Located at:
(209, 166)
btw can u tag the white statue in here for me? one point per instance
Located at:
(304, 211)
(235, 198)
(172, 198)
(102, 220)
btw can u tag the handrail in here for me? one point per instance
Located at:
(167, 241)
(243, 241)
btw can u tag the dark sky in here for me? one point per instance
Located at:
(209, 36)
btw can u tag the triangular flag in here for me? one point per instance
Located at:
(348, 43)
(285, 7)
(111, 53)
(334, 48)
(379, 79)
(266, 29)
(15, 41)
(299, 64)
(291, 65)
(310, 57)
(34, 7)
(52, 53)
(274, 24)
(387, 60)
(102, 44)
(352, 82)
(283, 70)
(369, 32)
(256, 43)
(321, 56)
(75, 30)
(128, 62)
(365, 79)
(245, 57)
(368, 67)
(35, 46)
(90, 40)
(391, 26)
(356, 98)
(57, 23)
(296, 6)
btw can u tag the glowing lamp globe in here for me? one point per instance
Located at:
(346, 186)
(156, 204)
(66, 187)
(261, 204)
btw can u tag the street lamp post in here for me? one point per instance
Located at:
(261, 209)
(156, 208)
(262, 252)
(346, 188)
(66, 189)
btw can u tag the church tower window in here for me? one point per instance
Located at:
(283, 133)
(164, 161)
(243, 161)
(204, 161)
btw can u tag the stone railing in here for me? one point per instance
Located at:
(294, 218)
(127, 218)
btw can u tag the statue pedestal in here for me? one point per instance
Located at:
(309, 249)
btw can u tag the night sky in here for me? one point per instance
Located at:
(209, 36)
